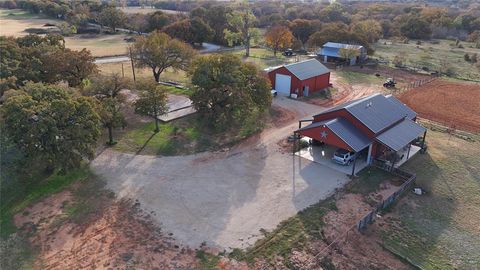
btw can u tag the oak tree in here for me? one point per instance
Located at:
(107, 89)
(242, 29)
(278, 37)
(112, 17)
(227, 91)
(158, 52)
(152, 100)
(51, 124)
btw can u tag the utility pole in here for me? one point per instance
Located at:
(123, 72)
(133, 66)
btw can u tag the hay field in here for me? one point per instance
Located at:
(14, 22)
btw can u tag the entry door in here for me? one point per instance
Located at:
(305, 91)
(283, 83)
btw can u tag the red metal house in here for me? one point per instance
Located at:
(380, 126)
(300, 78)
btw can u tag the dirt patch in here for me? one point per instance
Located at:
(400, 75)
(118, 236)
(281, 116)
(353, 250)
(452, 104)
(346, 92)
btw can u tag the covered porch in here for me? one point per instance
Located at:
(334, 134)
(397, 144)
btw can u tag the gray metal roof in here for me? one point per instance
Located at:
(341, 45)
(411, 114)
(307, 69)
(401, 134)
(376, 112)
(345, 131)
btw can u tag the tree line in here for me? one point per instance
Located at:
(55, 103)
(305, 26)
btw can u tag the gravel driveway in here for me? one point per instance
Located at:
(222, 199)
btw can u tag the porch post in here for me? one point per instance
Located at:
(423, 140)
(393, 162)
(408, 152)
(353, 167)
(369, 156)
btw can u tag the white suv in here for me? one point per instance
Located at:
(343, 157)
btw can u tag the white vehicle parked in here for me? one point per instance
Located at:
(343, 157)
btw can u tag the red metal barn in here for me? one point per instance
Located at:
(302, 78)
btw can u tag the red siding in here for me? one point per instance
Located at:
(346, 115)
(317, 83)
(314, 84)
(284, 71)
(331, 138)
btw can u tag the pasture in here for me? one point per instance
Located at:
(434, 55)
(440, 230)
(14, 23)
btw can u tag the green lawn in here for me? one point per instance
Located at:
(264, 58)
(430, 54)
(182, 136)
(352, 77)
(441, 230)
(178, 91)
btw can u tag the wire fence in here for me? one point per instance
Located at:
(417, 83)
(362, 224)
(409, 180)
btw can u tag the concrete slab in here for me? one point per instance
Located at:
(176, 102)
(323, 155)
(178, 106)
(172, 115)
(404, 152)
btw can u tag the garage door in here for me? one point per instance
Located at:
(282, 83)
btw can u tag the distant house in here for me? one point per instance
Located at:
(330, 52)
(300, 78)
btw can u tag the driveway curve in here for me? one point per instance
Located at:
(222, 199)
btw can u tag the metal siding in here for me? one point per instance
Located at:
(346, 115)
(331, 52)
(381, 114)
(348, 133)
(342, 129)
(401, 134)
(284, 71)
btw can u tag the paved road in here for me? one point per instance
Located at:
(207, 48)
(225, 198)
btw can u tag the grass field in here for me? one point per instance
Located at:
(99, 45)
(168, 75)
(440, 230)
(14, 22)
(183, 136)
(431, 55)
(264, 58)
(351, 77)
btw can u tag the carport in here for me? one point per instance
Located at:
(322, 154)
(336, 133)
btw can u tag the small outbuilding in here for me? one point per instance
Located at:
(330, 52)
(300, 79)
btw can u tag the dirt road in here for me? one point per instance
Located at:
(223, 199)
